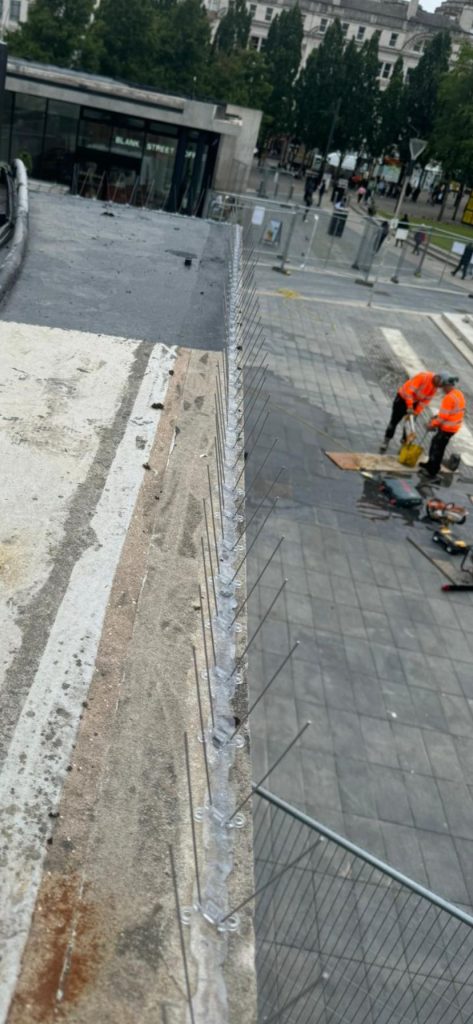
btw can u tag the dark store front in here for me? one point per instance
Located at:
(109, 155)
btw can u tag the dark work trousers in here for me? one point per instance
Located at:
(438, 445)
(399, 410)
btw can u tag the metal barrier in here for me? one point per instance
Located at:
(290, 232)
(268, 226)
(342, 937)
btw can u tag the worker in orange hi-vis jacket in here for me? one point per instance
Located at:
(446, 423)
(412, 397)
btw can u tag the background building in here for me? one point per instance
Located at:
(68, 125)
(404, 27)
(12, 12)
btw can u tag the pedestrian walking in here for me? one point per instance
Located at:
(412, 397)
(322, 188)
(446, 423)
(383, 232)
(419, 239)
(415, 194)
(464, 261)
(360, 193)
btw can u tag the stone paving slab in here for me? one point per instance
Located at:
(383, 670)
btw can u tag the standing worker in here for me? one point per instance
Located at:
(412, 397)
(446, 423)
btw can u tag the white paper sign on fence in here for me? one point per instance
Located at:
(257, 216)
(458, 248)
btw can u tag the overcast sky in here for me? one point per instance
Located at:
(430, 5)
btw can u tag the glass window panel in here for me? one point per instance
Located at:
(157, 165)
(28, 128)
(5, 122)
(95, 134)
(15, 10)
(60, 141)
(128, 141)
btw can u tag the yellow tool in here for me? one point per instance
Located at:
(411, 450)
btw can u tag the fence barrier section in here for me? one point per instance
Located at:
(342, 937)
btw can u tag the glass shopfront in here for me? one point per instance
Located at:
(108, 154)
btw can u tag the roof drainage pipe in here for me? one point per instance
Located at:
(12, 264)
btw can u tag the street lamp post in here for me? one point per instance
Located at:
(416, 147)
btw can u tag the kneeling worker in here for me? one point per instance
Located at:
(413, 396)
(446, 423)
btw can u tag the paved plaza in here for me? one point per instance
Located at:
(383, 671)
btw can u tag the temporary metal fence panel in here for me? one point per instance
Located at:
(326, 238)
(268, 226)
(342, 937)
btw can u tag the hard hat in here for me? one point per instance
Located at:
(447, 378)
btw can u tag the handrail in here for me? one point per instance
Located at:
(357, 851)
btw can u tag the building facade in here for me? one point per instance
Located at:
(112, 139)
(404, 27)
(12, 12)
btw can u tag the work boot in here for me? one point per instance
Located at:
(384, 446)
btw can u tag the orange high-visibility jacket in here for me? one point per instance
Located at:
(451, 413)
(418, 391)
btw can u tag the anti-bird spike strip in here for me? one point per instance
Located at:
(181, 933)
(212, 574)
(257, 580)
(264, 690)
(240, 362)
(260, 506)
(270, 770)
(202, 727)
(191, 813)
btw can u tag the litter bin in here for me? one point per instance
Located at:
(337, 223)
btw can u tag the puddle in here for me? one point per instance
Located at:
(375, 504)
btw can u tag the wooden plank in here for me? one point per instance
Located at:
(368, 461)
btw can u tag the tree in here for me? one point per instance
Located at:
(53, 33)
(452, 140)
(183, 47)
(241, 78)
(114, 44)
(392, 122)
(163, 44)
(351, 115)
(368, 94)
(283, 56)
(423, 85)
(319, 90)
(234, 29)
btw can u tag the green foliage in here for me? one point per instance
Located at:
(121, 42)
(240, 78)
(423, 86)
(338, 93)
(368, 96)
(183, 47)
(163, 44)
(53, 32)
(283, 57)
(392, 123)
(234, 29)
(452, 139)
(319, 88)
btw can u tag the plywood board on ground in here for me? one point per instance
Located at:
(366, 460)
